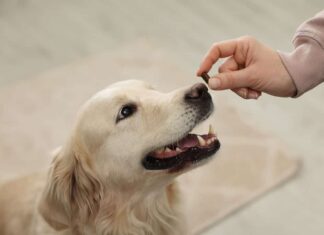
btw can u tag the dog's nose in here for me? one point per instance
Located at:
(197, 92)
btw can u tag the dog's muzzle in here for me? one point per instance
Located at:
(200, 100)
(191, 148)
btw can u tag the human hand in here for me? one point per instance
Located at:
(250, 69)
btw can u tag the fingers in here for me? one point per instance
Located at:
(229, 65)
(247, 93)
(231, 79)
(242, 92)
(218, 50)
(235, 73)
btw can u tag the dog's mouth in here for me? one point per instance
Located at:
(191, 149)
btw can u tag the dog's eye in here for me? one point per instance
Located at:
(126, 111)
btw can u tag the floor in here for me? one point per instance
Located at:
(40, 34)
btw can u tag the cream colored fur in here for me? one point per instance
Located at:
(96, 184)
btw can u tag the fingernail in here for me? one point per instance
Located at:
(244, 93)
(214, 83)
(253, 95)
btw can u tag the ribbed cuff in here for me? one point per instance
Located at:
(305, 64)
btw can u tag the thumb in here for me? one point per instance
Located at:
(231, 80)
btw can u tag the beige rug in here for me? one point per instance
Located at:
(36, 115)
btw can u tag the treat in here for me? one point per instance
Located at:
(205, 76)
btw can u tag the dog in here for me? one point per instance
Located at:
(115, 175)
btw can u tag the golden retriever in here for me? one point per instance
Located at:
(115, 175)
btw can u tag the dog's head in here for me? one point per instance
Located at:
(132, 137)
(131, 130)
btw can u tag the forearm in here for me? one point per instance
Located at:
(306, 63)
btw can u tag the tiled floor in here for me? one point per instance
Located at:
(36, 35)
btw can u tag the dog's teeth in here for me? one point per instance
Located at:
(167, 150)
(178, 149)
(209, 141)
(159, 150)
(201, 140)
(211, 130)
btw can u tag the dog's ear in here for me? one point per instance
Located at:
(73, 191)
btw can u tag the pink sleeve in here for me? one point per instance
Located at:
(306, 63)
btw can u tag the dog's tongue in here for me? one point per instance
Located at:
(182, 145)
(188, 142)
